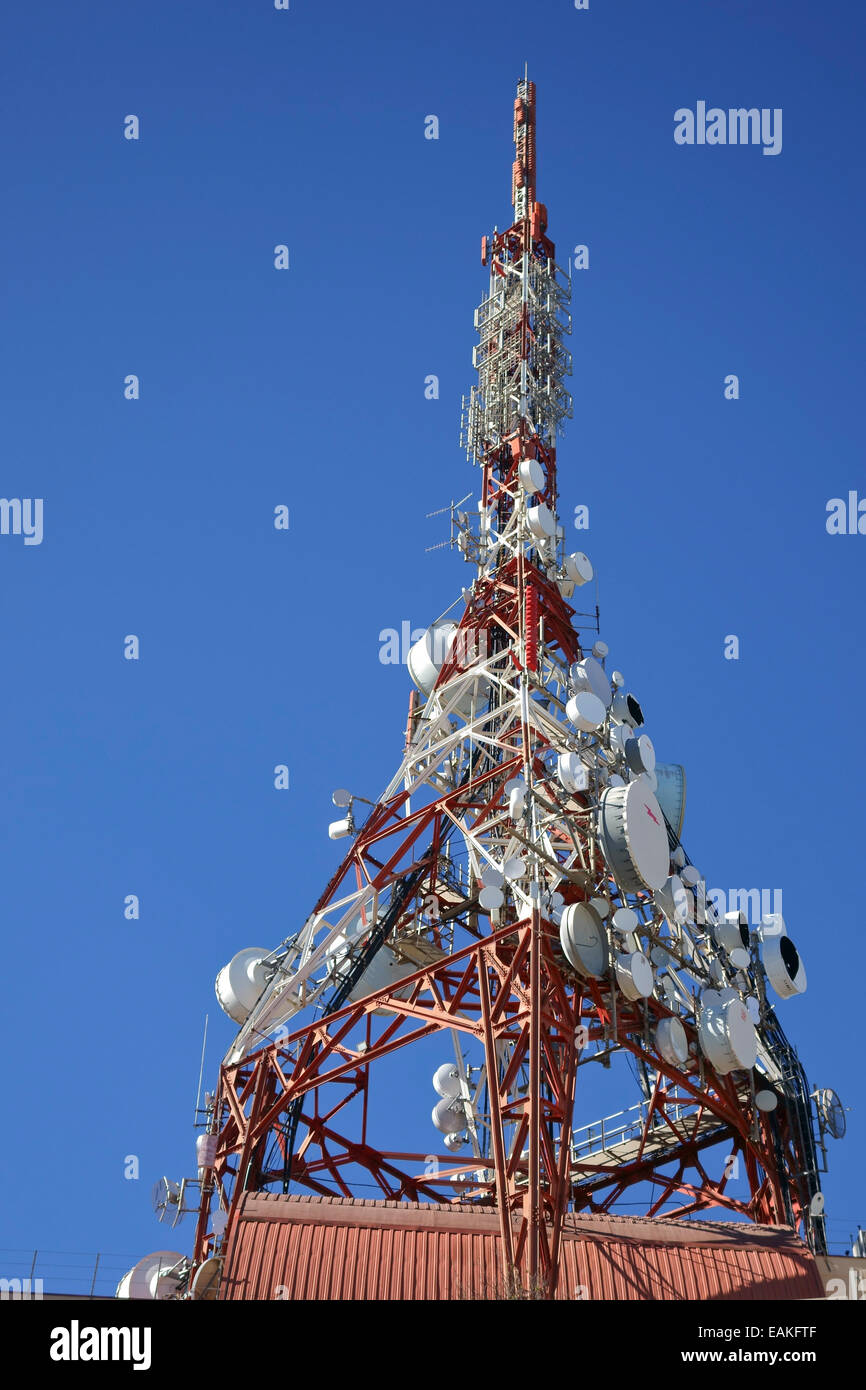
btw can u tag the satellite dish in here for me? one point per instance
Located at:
(531, 475)
(154, 1277)
(588, 674)
(554, 904)
(446, 1081)
(816, 1206)
(341, 797)
(541, 522)
(571, 772)
(584, 940)
(785, 969)
(766, 1100)
(678, 858)
(640, 754)
(600, 648)
(449, 1115)
(491, 899)
(740, 959)
(726, 1033)
(732, 933)
(634, 837)
(626, 710)
(428, 655)
(691, 875)
(672, 900)
(586, 711)
(239, 984)
(601, 905)
(454, 1141)
(515, 868)
(669, 990)
(618, 679)
(619, 735)
(753, 1009)
(167, 1200)
(634, 975)
(672, 1042)
(206, 1280)
(578, 568)
(625, 920)
(491, 877)
(832, 1112)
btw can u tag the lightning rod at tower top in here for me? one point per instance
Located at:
(518, 904)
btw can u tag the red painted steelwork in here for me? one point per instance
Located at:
(531, 628)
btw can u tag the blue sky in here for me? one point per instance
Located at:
(306, 388)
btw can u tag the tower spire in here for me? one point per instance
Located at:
(523, 173)
(520, 401)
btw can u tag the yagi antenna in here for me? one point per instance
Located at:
(442, 545)
(450, 507)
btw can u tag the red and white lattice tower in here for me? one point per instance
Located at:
(518, 890)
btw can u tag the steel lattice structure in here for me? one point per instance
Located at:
(460, 875)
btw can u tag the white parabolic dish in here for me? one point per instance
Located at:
(589, 675)
(584, 939)
(586, 711)
(239, 984)
(446, 1081)
(634, 975)
(541, 521)
(785, 969)
(571, 772)
(727, 1034)
(531, 475)
(578, 567)
(634, 837)
(428, 655)
(672, 1042)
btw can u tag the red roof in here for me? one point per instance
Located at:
(336, 1248)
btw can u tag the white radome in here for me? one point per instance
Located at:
(634, 836)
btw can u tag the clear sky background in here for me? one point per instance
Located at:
(306, 388)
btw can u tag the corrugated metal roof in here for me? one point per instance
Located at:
(336, 1248)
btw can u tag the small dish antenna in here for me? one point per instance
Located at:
(831, 1112)
(446, 1081)
(206, 1281)
(167, 1200)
